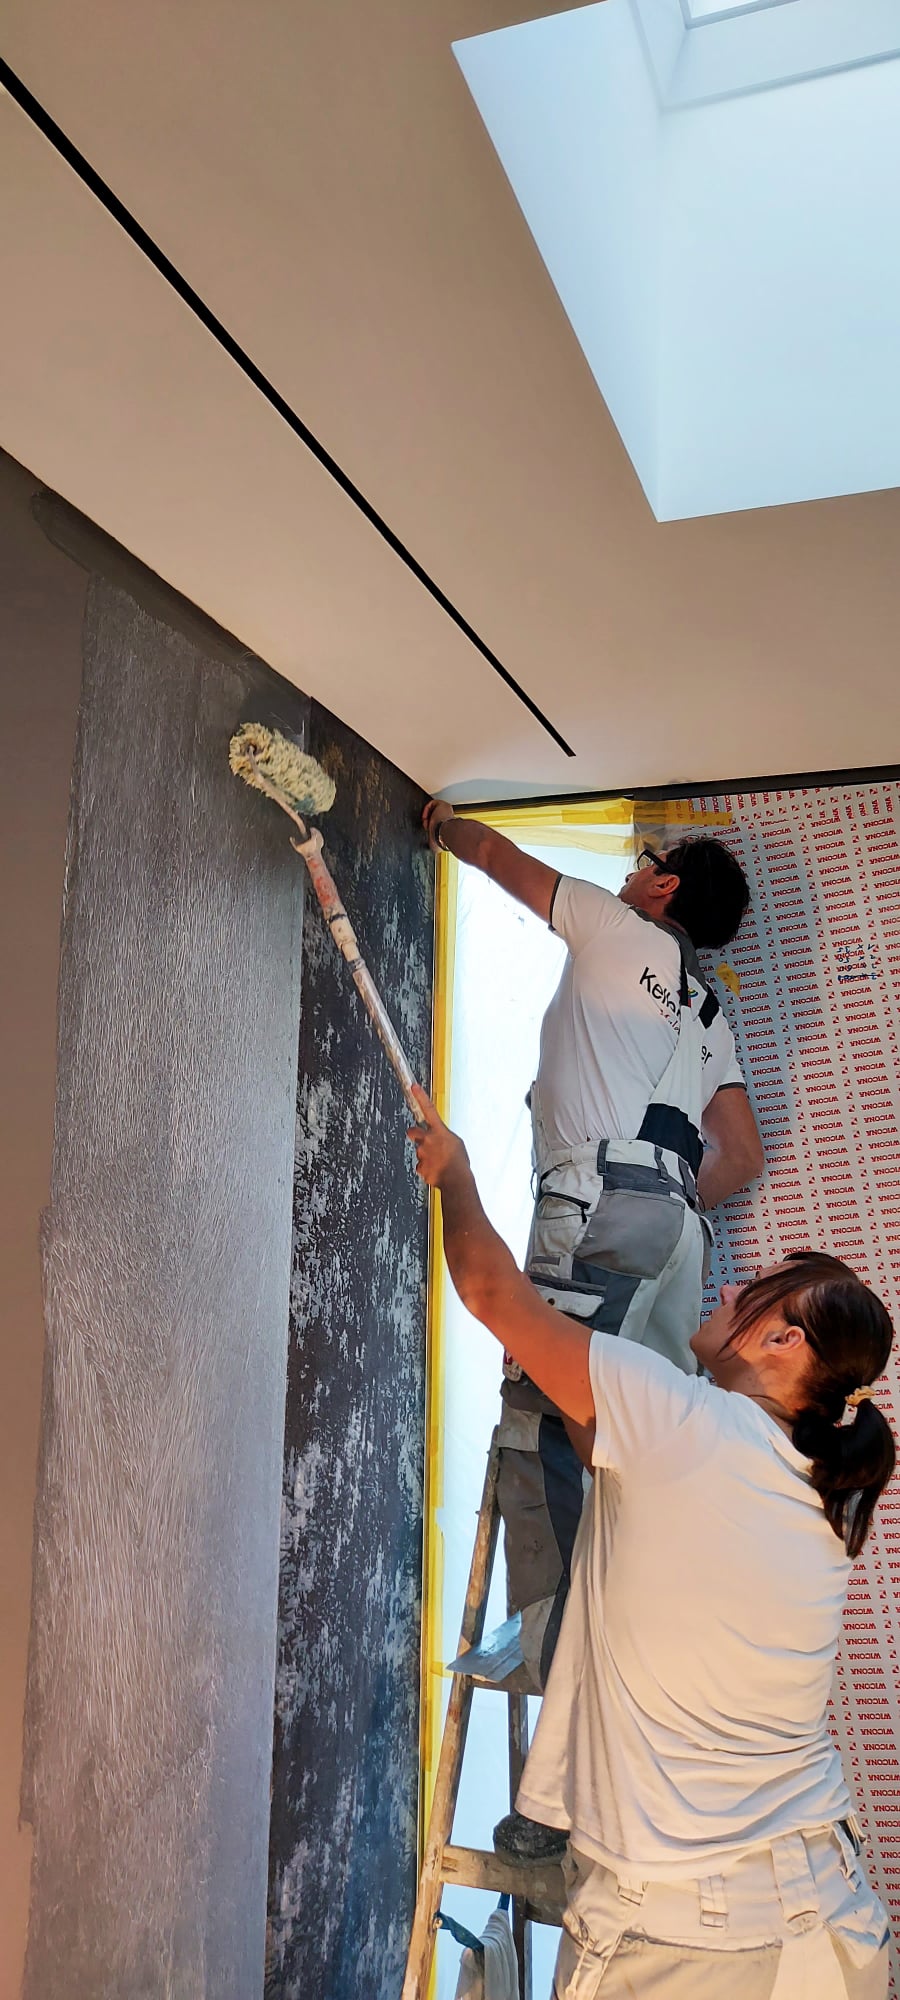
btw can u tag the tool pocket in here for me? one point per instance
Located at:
(586, 1947)
(858, 1924)
(583, 1306)
(558, 1221)
(629, 1232)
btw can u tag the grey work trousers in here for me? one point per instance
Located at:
(649, 1289)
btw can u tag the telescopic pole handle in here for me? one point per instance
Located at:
(345, 938)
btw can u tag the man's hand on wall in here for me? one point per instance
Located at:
(436, 814)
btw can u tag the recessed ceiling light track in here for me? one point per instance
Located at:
(57, 138)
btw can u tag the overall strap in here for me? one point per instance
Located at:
(667, 1121)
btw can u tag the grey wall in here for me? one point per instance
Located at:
(42, 597)
(167, 1260)
(345, 1776)
(205, 1204)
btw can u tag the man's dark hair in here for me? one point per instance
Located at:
(712, 892)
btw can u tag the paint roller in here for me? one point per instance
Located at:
(272, 764)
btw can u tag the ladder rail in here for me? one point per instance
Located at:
(536, 1888)
(453, 1742)
(518, 1751)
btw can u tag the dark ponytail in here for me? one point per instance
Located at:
(851, 1465)
(849, 1333)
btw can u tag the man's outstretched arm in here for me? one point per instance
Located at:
(530, 881)
(552, 1349)
(733, 1154)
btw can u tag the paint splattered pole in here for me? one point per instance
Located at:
(297, 783)
(345, 938)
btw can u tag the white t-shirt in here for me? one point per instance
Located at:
(612, 1024)
(685, 1714)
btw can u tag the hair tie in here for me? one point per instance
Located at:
(857, 1396)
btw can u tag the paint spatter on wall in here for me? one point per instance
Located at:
(729, 978)
(345, 1776)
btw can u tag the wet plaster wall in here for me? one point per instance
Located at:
(343, 1834)
(166, 1258)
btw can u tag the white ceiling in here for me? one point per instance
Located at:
(322, 179)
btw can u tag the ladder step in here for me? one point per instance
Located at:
(539, 1884)
(497, 1663)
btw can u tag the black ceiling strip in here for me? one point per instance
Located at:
(793, 781)
(114, 207)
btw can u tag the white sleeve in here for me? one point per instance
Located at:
(640, 1399)
(721, 1068)
(580, 909)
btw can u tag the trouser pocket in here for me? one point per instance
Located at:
(559, 1219)
(577, 1233)
(856, 1919)
(628, 1232)
(579, 1970)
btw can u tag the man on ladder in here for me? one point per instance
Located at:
(641, 1121)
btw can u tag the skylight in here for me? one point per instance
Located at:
(673, 181)
(697, 13)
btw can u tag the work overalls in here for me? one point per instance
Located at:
(617, 1242)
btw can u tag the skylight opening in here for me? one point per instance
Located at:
(703, 13)
(668, 180)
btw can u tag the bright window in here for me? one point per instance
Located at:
(505, 968)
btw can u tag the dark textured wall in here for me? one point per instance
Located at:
(342, 1862)
(178, 1271)
(41, 612)
(167, 1262)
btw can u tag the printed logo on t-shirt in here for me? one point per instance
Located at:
(666, 1001)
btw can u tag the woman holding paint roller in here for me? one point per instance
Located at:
(683, 1736)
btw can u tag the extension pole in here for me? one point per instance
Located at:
(345, 938)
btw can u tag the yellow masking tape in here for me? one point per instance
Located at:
(679, 812)
(446, 889)
(602, 826)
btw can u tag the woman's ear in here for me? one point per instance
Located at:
(786, 1337)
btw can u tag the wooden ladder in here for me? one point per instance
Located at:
(536, 1887)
